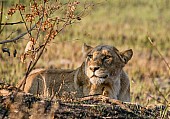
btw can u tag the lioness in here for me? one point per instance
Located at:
(100, 73)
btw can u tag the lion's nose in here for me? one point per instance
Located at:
(94, 68)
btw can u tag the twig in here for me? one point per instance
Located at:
(82, 13)
(2, 29)
(57, 93)
(157, 88)
(12, 23)
(40, 23)
(159, 52)
(10, 34)
(24, 22)
(1, 13)
(18, 37)
(26, 75)
(155, 99)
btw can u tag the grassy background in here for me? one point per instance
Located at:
(121, 23)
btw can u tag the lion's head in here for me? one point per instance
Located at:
(104, 62)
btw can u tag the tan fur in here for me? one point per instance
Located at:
(100, 73)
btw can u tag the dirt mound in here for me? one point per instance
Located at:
(24, 106)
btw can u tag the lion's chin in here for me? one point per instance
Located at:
(97, 80)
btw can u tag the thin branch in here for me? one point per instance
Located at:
(41, 21)
(18, 37)
(24, 21)
(157, 88)
(155, 99)
(1, 13)
(12, 23)
(57, 93)
(2, 29)
(26, 75)
(10, 34)
(159, 53)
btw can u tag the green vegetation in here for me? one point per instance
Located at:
(122, 23)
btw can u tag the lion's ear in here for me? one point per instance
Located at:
(86, 49)
(126, 55)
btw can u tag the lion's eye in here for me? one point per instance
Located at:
(89, 56)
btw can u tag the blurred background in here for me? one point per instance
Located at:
(122, 23)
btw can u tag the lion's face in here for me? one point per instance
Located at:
(104, 63)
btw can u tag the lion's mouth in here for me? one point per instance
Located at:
(95, 79)
(104, 76)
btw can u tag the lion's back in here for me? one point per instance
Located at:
(47, 82)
